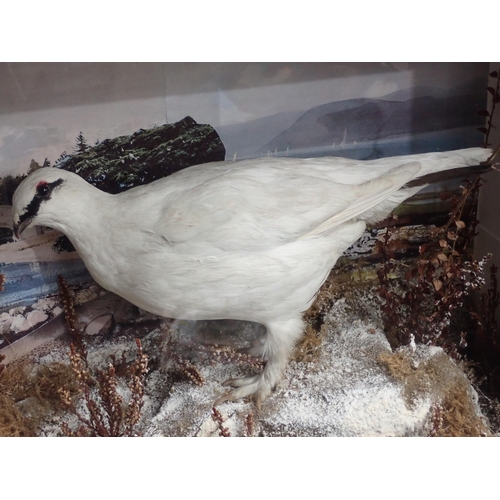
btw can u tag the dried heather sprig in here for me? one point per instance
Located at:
(107, 414)
(65, 396)
(68, 305)
(79, 365)
(111, 400)
(189, 370)
(249, 425)
(226, 354)
(136, 385)
(219, 420)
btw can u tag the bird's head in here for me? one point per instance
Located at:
(43, 198)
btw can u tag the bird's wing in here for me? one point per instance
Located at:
(263, 207)
(376, 196)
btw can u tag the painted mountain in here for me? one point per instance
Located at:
(410, 121)
(242, 140)
(366, 121)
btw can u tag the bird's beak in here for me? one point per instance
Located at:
(19, 228)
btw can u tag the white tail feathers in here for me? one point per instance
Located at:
(438, 162)
(371, 194)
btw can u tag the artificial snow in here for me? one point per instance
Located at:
(346, 390)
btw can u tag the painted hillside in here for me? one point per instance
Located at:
(362, 127)
(407, 121)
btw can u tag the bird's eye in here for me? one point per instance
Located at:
(43, 190)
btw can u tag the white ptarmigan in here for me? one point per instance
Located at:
(251, 240)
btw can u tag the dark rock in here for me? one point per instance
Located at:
(115, 165)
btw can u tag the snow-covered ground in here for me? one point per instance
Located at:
(352, 385)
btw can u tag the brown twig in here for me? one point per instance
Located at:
(495, 94)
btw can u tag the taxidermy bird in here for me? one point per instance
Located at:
(251, 240)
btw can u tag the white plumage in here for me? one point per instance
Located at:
(251, 240)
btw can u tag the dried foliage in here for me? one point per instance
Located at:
(48, 379)
(430, 301)
(219, 420)
(455, 417)
(249, 425)
(15, 381)
(399, 364)
(185, 369)
(13, 423)
(28, 393)
(309, 345)
(99, 405)
(68, 304)
(226, 354)
(418, 299)
(104, 411)
(454, 414)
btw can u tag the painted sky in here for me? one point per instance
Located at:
(43, 106)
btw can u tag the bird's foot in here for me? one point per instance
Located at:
(245, 387)
(276, 350)
(241, 382)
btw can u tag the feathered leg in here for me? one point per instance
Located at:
(280, 340)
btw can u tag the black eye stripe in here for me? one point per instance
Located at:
(32, 208)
